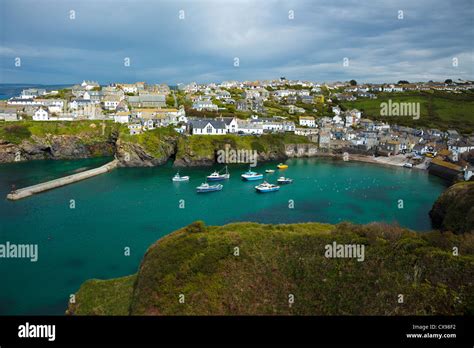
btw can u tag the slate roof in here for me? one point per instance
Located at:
(202, 123)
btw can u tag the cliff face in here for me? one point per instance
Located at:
(301, 150)
(454, 209)
(196, 271)
(136, 155)
(29, 140)
(203, 150)
(54, 147)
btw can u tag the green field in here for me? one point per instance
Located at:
(437, 109)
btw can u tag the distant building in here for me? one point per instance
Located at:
(32, 93)
(208, 105)
(41, 114)
(307, 121)
(8, 114)
(148, 101)
(122, 117)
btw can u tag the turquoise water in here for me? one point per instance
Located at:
(133, 207)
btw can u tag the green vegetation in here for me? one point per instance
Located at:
(170, 101)
(65, 93)
(437, 109)
(213, 114)
(91, 131)
(274, 261)
(156, 142)
(454, 209)
(14, 133)
(104, 297)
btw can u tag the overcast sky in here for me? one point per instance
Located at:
(268, 41)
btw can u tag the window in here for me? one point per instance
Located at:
(209, 129)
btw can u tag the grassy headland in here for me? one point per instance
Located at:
(90, 131)
(274, 261)
(454, 209)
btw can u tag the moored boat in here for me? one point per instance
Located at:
(283, 180)
(266, 187)
(270, 171)
(408, 165)
(251, 176)
(205, 187)
(178, 177)
(282, 166)
(216, 176)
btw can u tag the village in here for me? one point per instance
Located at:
(260, 107)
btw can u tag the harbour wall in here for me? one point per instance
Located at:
(49, 185)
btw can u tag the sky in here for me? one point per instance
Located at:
(173, 41)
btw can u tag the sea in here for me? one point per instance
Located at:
(82, 230)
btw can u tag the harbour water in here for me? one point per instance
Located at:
(83, 229)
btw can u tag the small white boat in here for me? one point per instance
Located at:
(408, 165)
(216, 176)
(266, 187)
(251, 176)
(270, 171)
(178, 177)
(283, 180)
(205, 187)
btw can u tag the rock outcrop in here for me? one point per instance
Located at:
(301, 150)
(136, 155)
(54, 147)
(454, 210)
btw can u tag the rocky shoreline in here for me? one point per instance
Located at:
(129, 154)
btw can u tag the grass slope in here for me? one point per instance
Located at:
(156, 142)
(104, 297)
(275, 261)
(437, 109)
(90, 131)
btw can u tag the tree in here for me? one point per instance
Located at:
(353, 82)
(403, 82)
(448, 81)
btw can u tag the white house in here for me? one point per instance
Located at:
(289, 126)
(122, 117)
(337, 120)
(307, 121)
(349, 120)
(128, 87)
(135, 128)
(231, 124)
(205, 105)
(111, 102)
(88, 85)
(246, 127)
(207, 127)
(41, 114)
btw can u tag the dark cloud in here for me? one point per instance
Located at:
(202, 46)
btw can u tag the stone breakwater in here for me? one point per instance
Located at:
(49, 185)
